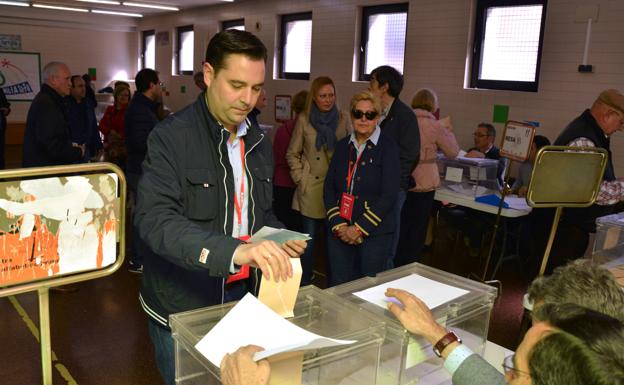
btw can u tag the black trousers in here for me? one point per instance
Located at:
(282, 207)
(414, 219)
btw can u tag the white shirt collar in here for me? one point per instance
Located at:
(374, 138)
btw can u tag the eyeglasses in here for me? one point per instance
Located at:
(161, 84)
(370, 115)
(479, 135)
(510, 368)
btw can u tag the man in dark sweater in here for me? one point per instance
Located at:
(399, 122)
(82, 122)
(140, 119)
(47, 139)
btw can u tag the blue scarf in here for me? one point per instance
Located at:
(325, 124)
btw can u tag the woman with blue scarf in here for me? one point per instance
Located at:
(311, 147)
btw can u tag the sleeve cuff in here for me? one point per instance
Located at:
(233, 268)
(457, 357)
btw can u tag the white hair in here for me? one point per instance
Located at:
(51, 69)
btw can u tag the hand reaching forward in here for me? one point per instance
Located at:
(239, 368)
(415, 316)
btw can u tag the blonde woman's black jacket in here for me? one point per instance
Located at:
(185, 209)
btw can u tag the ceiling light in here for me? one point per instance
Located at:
(154, 6)
(16, 3)
(60, 8)
(116, 13)
(109, 2)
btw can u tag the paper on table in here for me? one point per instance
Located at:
(516, 202)
(470, 191)
(280, 236)
(252, 322)
(432, 293)
(281, 296)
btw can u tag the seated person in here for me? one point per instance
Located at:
(521, 184)
(484, 147)
(582, 282)
(568, 345)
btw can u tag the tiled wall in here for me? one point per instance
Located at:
(437, 44)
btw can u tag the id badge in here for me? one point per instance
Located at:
(243, 273)
(346, 206)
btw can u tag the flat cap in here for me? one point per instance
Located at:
(612, 98)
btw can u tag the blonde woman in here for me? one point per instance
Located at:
(311, 147)
(361, 190)
(415, 215)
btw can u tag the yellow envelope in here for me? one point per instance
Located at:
(281, 296)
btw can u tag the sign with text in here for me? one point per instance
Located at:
(20, 77)
(282, 108)
(517, 139)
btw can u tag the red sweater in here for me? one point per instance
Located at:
(113, 119)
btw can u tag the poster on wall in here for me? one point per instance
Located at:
(56, 226)
(282, 108)
(20, 75)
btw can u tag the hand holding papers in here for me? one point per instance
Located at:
(251, 322)
(281, 296)
(280, 236)
(431, 292)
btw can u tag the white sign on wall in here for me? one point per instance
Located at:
(20, 75)
(517, 139)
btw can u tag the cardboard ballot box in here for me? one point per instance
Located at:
(609, 241)
(316, 311)
(408, 359)
(470, 176)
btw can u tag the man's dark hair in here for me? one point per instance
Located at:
(491, 131)
(144, 78)
(73, 79)
(541, 141)
(233, 41)
(586, 347)
(390, 76)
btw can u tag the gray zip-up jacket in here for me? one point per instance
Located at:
(185, 209)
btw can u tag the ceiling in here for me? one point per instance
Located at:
(181, 4)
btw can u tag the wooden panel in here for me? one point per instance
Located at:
(15, 133)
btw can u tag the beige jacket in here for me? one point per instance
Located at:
(308, 166)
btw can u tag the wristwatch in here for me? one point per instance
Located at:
(445, 341)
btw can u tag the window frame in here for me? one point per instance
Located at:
(179, 32)
(285, 19)
(479, 36)
(144, 36)
(228, 24)
(377, 10)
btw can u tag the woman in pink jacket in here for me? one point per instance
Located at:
(434, 136)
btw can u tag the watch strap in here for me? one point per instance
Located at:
(445, 341)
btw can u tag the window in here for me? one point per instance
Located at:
(508, 44)
(184, 55)
(383, 38)
(296, 45)
(233, 24)
(148, 50)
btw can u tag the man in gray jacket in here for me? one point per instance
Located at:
(206, 187)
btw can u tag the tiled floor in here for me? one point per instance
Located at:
(99, 333)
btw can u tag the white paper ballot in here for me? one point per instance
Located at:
(516, 202)
(432, 293)
(280, 236)
(251, 322)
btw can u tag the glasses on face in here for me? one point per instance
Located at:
(478, 135)
(510, 368)
(370, 115)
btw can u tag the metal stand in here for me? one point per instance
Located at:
(44, 335)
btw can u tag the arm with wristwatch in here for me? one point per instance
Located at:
(463, 364)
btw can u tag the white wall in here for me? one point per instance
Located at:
(437, 45)
(106, 43)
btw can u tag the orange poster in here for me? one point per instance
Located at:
(56, 226)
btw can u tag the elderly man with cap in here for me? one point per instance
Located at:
(593, 128)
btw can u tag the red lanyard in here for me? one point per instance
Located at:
(238, 205)
(351, 168)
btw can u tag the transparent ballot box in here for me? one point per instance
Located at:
(316, 311)
(409, 359)
(609, 241)
(470, 176)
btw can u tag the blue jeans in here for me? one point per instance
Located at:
(349, 262)
(312, 227)
(163, 350)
